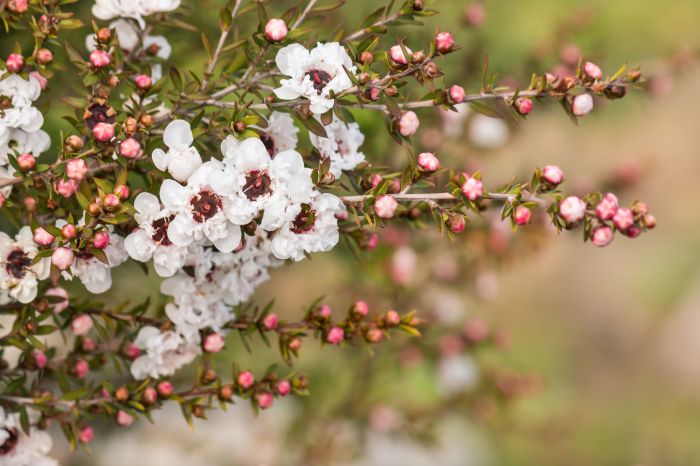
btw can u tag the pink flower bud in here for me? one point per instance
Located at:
(444, 42)
(58, 305)
(623, 218)
(26, 162)
(66, 188)
(294, 345)
(165, 389)
(456, 94)
(283, 387)
(428, 162)
(101, 240)
(132, 351)
(130, 148)
(633, 231)
(374, 94)
(582, 104)
(524, 105)
(397, 56)
(44, 56)
(111, 201)
(88, 345)
(392, 318)
(40, 359)
(86, 434)
(572, 209)
(408, 124)
(602, 236)
(374, 335)
(607, 207)
(100, 58)
(122, 191)
(2, 200)
(213, 343)
(324, 311)
(335, 335)
(264, 399)
(81, 324)
(150, 395)
(69, 231)
(375, 180)
(43, 82)
(522, 215)
(43, 237)
(143, 81)
(476, 331)
(649, 221)
(475, 14)
(17, 6)
(76, 169)
(457, 224)
(62, 258)
(245, 379)
(276, 30)
(270, 321)
(81, 369)
(592, 70)
(14, 63)
(103, 132)
(124, 419)
(552, 174)
(29, 203)
(472, 188)
(360, 308)
(385, 206)
(372, 242)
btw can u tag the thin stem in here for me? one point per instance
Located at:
(357, 35)
(302, 17)
(433, 197)
(220, 45)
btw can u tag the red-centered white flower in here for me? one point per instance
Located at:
(255, 183)
(607, 207)
(472, 188)
(623, 218)
(280, 134)
(309, 227)
(200, 210)
(20, 448)
(582, 104)
(385, 206)
(572, 209)
(276, 30)
(182, 158)
(342, 146)
(19, 278)
(397, 56)
(150, 240)
(602, 236)
(408, 123)
(314, 74)
(163, 352)
(135, 9)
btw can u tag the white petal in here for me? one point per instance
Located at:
(174, 196)
(178, 135)
(229, 242)
(147, 203)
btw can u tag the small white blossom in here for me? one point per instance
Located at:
(19, 449)
(20, 94)
(18, 277)
(20, 142)
(182, 158)
(457, 374)
(150, 240)
(342, 146)
(314, 74)
(200, 210)
(163, 352)
(488, 133)
(135, 9)
(309, 227)
(280, 134)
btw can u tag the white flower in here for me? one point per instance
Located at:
(129, 40)
(487, 132)
(254, 182)
(457, 374)
(18, 141)
(136, 9)
(18, 95)
(342, 146)
(309, 227)
(150, 240)
(19, 449)
(164, 352)
(280, 134)
(18, 277)
(182, 159)
(200, 209)
(453, 122)
(5, 173)
(314, 74)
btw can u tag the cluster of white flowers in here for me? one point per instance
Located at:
(20, 121)
(19, 449)
(342, 146)
(135, 9)
(19, 277)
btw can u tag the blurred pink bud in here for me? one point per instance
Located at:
(428, 162)
(81, 369)
(165, 388)
(111, 201)
(408, 124)
(29, 203)
(101, 240)
(14, 63)
(130, 148)
(374, 335)
(475, 14)
(150, 395)
(385, 206)
(26, 162)
(40, 359)
(122, 191)
(276, 30)
(397, 56)
(476, 331)
(324, 311)
(86, 434)
(602, 236)
(342, 215)
(444, 42)
(43, 82)
(572, 209)
(582, 104)
(374, 94)
(403, 265)
(375, 180)
(623, 218)
(81, 324)
(294, 345)
(213, 343)
(524, 105)
(270, 321)
(17, 6)
(62, 258)
(456, 94)
(607, 207)
(88, 345)
(472, 188)
(335, 335)
(360, 308)
(143, 81)
(43, 237)
(392, 318)
(124, 419)
(103, 132)
(553, 174)
(649, 221)
(66, 188)
(633, 231)
(372, 242)
(69, 231)
(100, 58)
(264, 399)
(245, 379)
(522, 215)
(283, 387)
(44, 56)
(132, 351)
(592, 70)
(57, 292)
(457, 224)
(76, 169)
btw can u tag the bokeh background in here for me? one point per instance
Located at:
(608, 339)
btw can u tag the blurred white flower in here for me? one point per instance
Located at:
(18, 277)
(457, 374)
(135, 9)
(488, 133)
(19, 449)
(342, 146)
(163, 352)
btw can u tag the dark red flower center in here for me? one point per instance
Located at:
(305, 220)
(160, 230)
(205, 205)
(17, 262)
(257, 183)
(10, 442)
(319, 78)
(269, 144)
